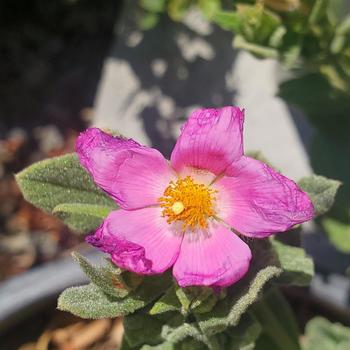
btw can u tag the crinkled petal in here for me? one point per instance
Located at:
(134, 175)
(211, 139)
(258, 201)
(216, 257)
(138, 240)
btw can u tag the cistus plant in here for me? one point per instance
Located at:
(311, 39)
(191, 260)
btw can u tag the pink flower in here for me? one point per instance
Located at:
(189, 213)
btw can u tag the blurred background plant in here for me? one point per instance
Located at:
(311, 40)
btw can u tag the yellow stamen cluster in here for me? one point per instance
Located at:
(188, 202)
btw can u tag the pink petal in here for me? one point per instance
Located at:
(139, 240)
(217, 258)
(211, 139)
(257, 201)
(134, 175)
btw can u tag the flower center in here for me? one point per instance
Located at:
(188, 202)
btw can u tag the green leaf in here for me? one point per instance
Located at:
(228, 20)
(153, 5)
(322, 192)
(91, 302)
(335, 11)
(168, 302)
(338, 43)
(190, 344)
(140, 328)
(257, 23)
(321, 334)
(277, 320)
(290, 56)
(272, 260)
(209, 7)
(82, 217)
(148, 21)
(298, 269)
(61, 180)
(241, 337)
(276, 38)
(335, 76)
(261, 51)
(318, 11)
(197, 299)
(186, 344)
(109, 278)
(58, 180)
(244, 335)
(172, 318)
(152, 330)
(98, 211)
(177, 8)
(178, 334)
(228, 312)
(162, 346)
(338, 233)
(283, 5)
(242, 295)
(344, 26)
(205, 305)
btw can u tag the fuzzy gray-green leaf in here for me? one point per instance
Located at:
(321, 334)
(271, 260)
(140, 328)
(91, 302)
(82, 217)
(321, 190)
(298, 268)
(187, 344)
(178, 334)
(163, 346)
(244, 335)
(61, 180)
(197, 299)
(105, 277)
(228, 312)
(168, 302)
